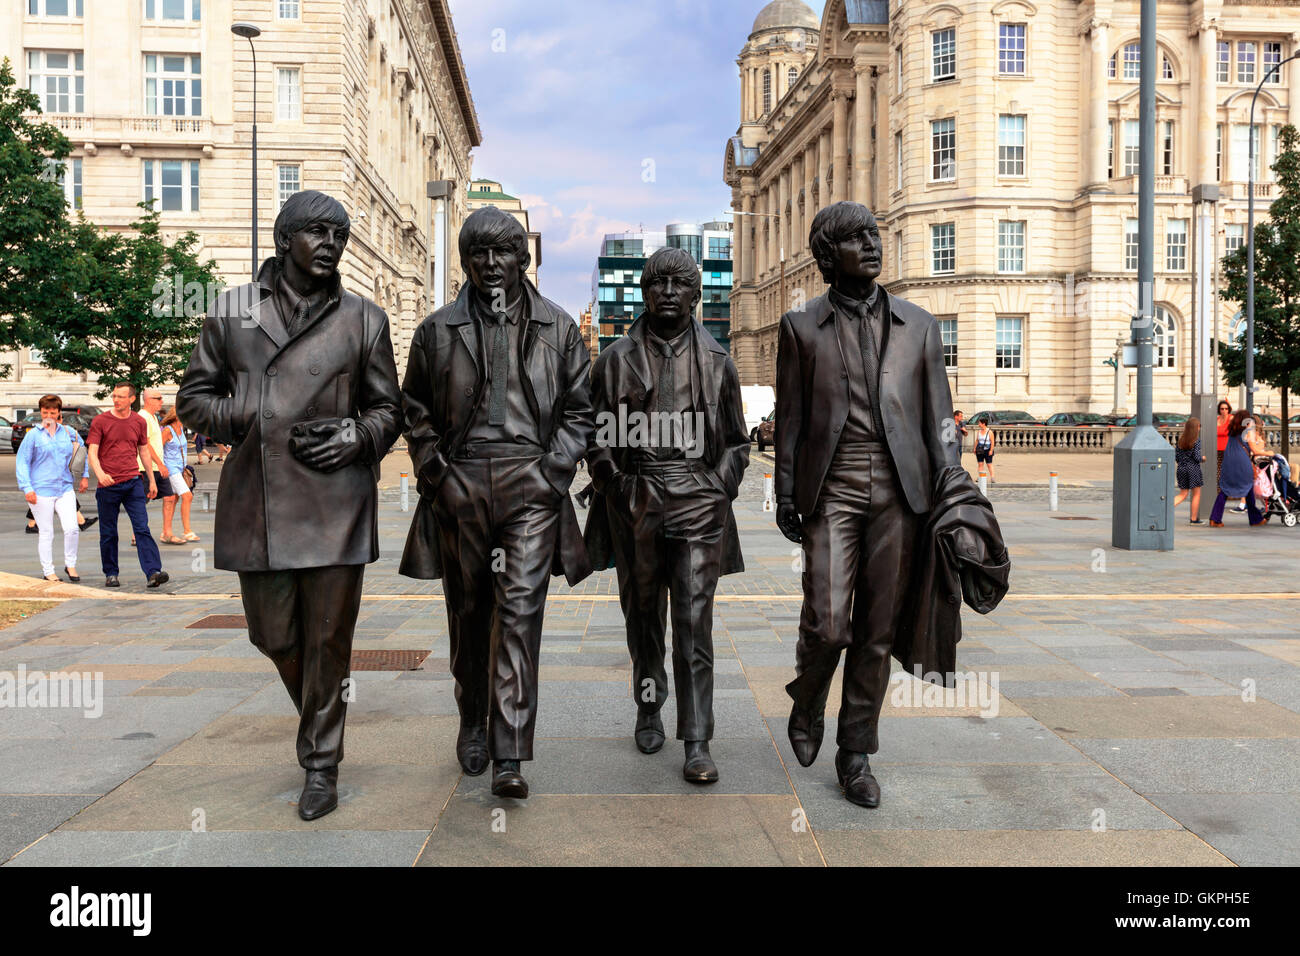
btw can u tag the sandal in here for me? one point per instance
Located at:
(172, 540)
(191, 536)
(54, 579)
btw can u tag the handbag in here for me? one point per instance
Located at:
(1263, 485)
(77, 461)
(188, 474)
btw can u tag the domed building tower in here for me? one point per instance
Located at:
(781, 44)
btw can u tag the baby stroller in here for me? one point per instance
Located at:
(1284, 498)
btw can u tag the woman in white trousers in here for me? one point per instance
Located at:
(43, 474)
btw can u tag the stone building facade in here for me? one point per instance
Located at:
(996, 142)
(361, 99)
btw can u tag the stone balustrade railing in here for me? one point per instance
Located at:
(1040, 438)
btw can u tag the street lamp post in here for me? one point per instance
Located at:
(1250, 240)
(249, 31)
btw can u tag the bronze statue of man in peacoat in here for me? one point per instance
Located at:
(669, 452)
(297, 375)
(498, 415)
(863, 427)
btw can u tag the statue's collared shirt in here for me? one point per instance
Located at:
(519, 428)
(289, 305)
(848, 312)
(669, 443)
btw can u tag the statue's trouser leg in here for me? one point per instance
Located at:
(857, 549)
(303, 620)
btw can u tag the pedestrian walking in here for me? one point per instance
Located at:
(984, 444)
(1188, 457)
(47, 461)
(961, 432)
(119, 447)
(1237, 476)
(1225, 417)
(178, 490)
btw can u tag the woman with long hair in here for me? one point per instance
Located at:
(1225, 416)
(1237, 476)
(984, 444)
(1188, 455)
(173, 433)
(43, 470)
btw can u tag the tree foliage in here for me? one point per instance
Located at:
(1277, 286)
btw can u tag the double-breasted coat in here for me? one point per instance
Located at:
(445, 375)
(621, 377)
(249, 382)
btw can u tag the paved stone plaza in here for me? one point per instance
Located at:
(1119, 734)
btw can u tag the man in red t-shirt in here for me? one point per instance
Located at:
(115, 439)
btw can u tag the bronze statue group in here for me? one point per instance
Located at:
(499, 404)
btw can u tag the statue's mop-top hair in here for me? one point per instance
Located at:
(301, 210)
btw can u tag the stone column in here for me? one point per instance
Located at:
(747, 259)
(809, 207)
(1293, 100)
(1099, 102)
(823, 164)
(768, 226)
(840, 138)
(796, 211)
(782, 197)
(1206, 100)
(862, 129)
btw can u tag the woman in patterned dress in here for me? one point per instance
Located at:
(1187, 454)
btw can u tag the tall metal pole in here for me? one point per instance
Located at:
(1250, 241)
(249, 31)
(1142, 330)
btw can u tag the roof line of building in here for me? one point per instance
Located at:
(456, 65)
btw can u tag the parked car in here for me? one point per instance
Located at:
(80, 422)
(1003, 418)
(1158, 419)
(756, 401)
(1270, 420)
(767, 431)
(6, 431)
(1078, 420)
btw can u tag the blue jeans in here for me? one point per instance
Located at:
(130, 495)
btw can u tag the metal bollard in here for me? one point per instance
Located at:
(406, 492)
(769, 493)
(984, 484)
(1051, 492)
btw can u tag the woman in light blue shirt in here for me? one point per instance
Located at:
(46, 483)
(174, 457)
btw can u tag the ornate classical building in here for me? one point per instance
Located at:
(997, 143)
(362, 99)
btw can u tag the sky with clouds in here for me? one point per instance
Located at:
(575, 96)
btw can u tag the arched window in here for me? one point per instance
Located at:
(1166, 69)
(1237, 329)
(1132, 61)
(1164, 335)
(791, 76)
(767, 91)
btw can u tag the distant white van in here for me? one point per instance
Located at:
(758, 402)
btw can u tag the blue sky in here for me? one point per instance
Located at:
(574, 96)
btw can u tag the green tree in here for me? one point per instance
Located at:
(34, 227)
(133, 305)
(1277, 287)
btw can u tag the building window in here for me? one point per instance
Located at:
(898, 159)
(791, 77)
(898, 255)
(1272, 58)
(948, 336)
(1009, 343)
(1164, 334)
(1223, 65)
(1133, 61)
(943, 54)
(1110, 150)
(943, 248)
(288, 182)
(56, 8)
(172, 85)
(1132, 244)
(172, 185)
(1234, 239)
(171, 10)
(1167, 148)
(1011, 48)
(69, 177)
(767, 90)
(1275, 146)
(1245, 62)
(1110, 67)
(943, 150)
(59, 79)
(1011, 145)
(288, 10)
(719, 248)
(1241, 146)
(1166, 68)
(898, 69)
(1176, 245)
(1132, 156)
(1011, 246)
(288, 93)
(1218, 153)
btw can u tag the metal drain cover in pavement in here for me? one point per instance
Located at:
(388, 660)
(220, 620)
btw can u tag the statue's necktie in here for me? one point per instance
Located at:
(871, 362)
(500, 373)
(299, 317)
(667, 379)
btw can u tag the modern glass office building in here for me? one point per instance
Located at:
(616, 282)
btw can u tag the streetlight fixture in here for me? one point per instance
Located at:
(1250, 240)
(249, 31)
